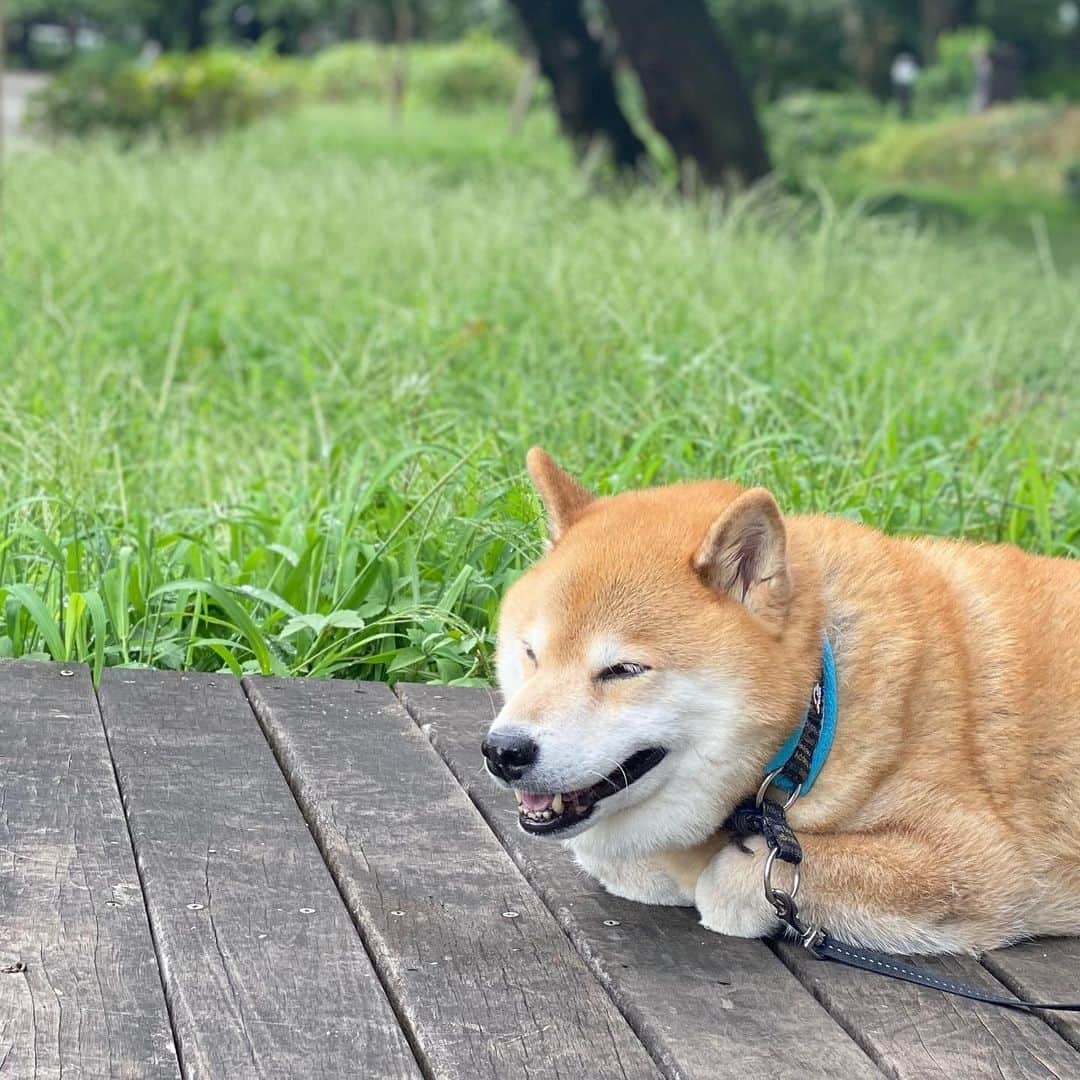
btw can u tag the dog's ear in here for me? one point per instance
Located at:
(563, 497)
(744, 555)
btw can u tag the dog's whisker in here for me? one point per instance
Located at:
(618, 766)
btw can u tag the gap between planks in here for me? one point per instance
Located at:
(198, 779)
(166, 993)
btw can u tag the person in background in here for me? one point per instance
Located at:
(904, 72)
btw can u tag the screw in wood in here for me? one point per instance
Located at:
(612, 922)
(66, 673)
(510, 914)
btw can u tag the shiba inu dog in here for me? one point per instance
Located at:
(665, 647)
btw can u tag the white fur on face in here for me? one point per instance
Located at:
(604, 652)
(510, 658)
(697, 718)
(684, 800)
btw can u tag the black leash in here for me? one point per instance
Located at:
(765, 817)
(823, 946)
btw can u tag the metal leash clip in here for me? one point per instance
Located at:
(783, 903)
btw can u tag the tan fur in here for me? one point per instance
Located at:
(947, 817)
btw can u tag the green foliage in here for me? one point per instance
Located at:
(950, 80)
(352, 71)
(477, 70)
(1060, 82)
(783, 46)
(791, 45)
(1035, 28)
(1025, 148)
(805, 127)
(106, 14)
(267, 397)
(178, 93)
(203, 92)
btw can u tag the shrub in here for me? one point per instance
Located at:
(821, 125)
(88, 95)
(351, 71)
(950, 80)
(478, 70)
(1023, 146)
(199, 93)
(1061, 82)
(178, 93)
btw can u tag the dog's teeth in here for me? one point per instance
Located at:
(557, 805)
(520, 797)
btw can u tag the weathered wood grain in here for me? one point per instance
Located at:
(265, 973)
(707, 1006)
(80, 992)
(919, 1033)
(481, 972)
(1044, 970)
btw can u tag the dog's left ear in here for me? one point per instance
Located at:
(744, 555)
(563, 497)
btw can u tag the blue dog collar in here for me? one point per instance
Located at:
(822, 708)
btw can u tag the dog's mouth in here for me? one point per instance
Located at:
(542, 812)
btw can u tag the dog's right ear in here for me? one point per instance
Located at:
(744, 556)
(563, 497)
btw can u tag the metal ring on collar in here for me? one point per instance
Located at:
(771, 894)
(768, 782)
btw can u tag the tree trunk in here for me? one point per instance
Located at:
(997, 75)
(696, 98)
(399, 74)
(523, 95)
(965, 13)
(195, 24)
(573, 61)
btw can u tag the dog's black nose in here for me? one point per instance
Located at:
(508, 756)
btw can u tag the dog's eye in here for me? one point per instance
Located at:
(622, 671)
(528, 651)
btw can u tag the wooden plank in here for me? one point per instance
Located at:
(479, 969)
(265, 973)
(915, 1032)
(707, 1006)
(1043, 970)
(80, 991)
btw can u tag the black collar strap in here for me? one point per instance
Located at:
(794, 768)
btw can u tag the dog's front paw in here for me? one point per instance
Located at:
(730, 896)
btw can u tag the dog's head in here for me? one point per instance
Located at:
(648, 661)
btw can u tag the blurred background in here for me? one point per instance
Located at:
(289, 286)
(719, 89)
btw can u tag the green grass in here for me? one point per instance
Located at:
(265, 402)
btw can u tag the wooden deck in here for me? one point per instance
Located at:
(287, 878)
